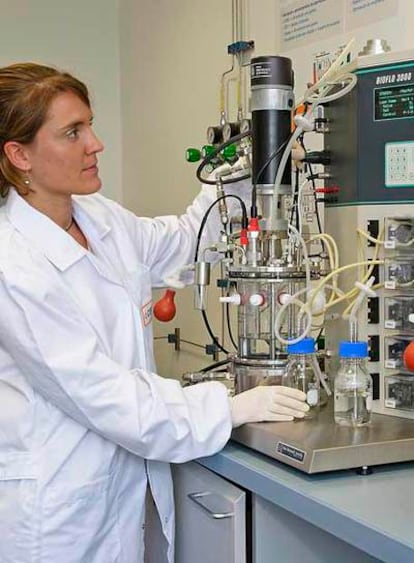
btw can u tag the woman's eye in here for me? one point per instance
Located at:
(73, 133)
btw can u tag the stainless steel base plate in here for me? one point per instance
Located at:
(319, 445)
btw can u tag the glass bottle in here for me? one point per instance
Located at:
(301, 375)
(353, 386)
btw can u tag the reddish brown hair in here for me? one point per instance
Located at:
(26, 92)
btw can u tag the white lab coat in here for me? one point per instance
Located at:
(84, 420)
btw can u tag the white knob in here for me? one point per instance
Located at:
(283, 297)
(318, 301)
(234, 298)
(256, 299)
(411, 318)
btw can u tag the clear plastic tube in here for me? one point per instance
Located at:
(321, 378)
(304, 310)
(299, 204)
(324, 99)
(281, 168)
(304, 252)
(322, 283)
(364, 291)
(329, 74)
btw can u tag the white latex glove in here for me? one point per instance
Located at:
(267, 403)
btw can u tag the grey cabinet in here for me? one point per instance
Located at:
(281, 537)
(211, 526)
(210, 517)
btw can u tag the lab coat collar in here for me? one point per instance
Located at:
(57, 245)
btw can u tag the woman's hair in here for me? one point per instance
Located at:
(26, 92)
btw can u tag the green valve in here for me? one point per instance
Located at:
(207, 150)
(229, 152)
(192, 155)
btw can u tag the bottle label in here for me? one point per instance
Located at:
(312, 397)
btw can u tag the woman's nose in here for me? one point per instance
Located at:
(94, 143)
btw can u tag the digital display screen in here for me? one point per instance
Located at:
(394, 102)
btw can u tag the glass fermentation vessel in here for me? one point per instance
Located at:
(353, 386)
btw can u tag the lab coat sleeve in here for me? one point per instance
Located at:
(58, 352)
(167, 243)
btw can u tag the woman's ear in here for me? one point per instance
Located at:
(16, 154)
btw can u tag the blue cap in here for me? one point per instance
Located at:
(305, 346)
(353, 349)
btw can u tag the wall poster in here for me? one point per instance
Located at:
(305, 21)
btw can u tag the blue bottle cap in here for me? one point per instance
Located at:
(353, 349)
(305, 346)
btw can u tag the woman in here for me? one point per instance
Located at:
(85, 423)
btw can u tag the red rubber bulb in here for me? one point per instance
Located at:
(408, 356)
(164, 308)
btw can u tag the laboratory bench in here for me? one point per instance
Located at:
(374, 513)
(338, 516)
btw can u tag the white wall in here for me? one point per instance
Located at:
(169, 71)
(81, 36)
(172, 54)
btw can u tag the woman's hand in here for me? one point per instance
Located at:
(267, 403)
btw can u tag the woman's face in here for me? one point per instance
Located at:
(62, 158)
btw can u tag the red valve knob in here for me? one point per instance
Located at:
(254, 224)
(408, 356)
(244, 241)
(164, 308)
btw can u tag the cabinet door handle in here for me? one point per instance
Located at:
(212, 503)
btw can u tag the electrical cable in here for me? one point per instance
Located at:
(320, 333)
(218, 364)
(210, 332)
(255, 181)
(200, 232)
(207, 213)
(229, 330)
(213, 154)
